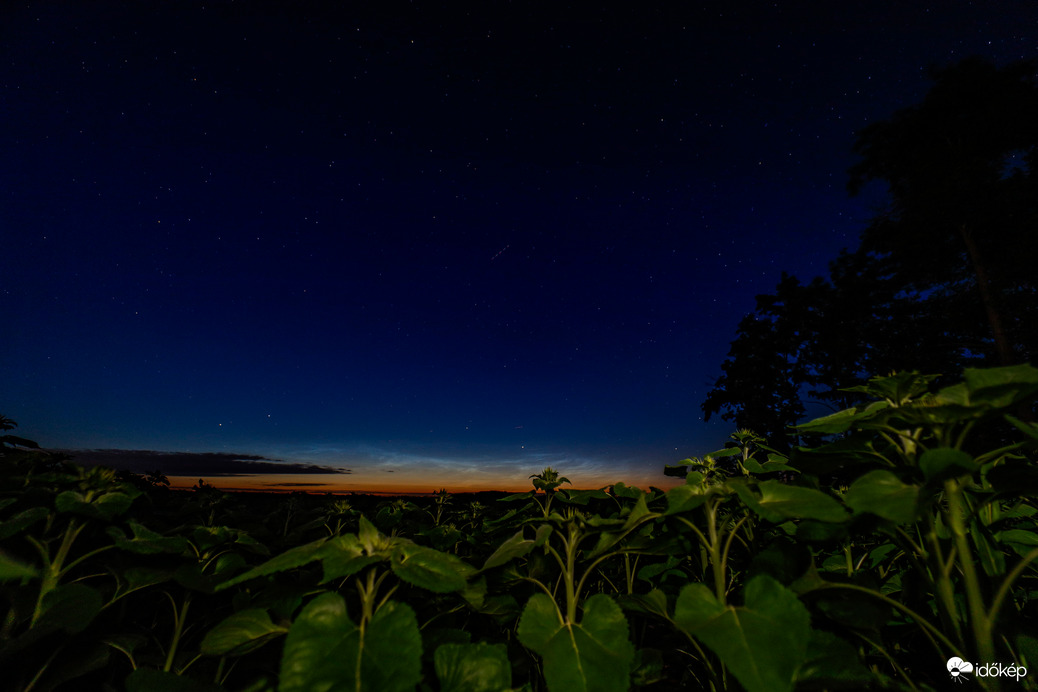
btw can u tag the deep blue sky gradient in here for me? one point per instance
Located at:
(402, 238)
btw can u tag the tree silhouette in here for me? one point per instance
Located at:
(942, 280)
(961, 171)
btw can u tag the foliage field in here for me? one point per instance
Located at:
(899, 535)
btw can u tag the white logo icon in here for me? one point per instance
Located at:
(958, 669)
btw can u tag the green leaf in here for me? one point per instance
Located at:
(581, 497)
(882, 493)
(654, 602)
(343, 556)
(21, 521)
(325, 650)
(943, 462)
(147, 542)
(629, 492)
(290, 559)
(105, 506)
(593, 655)
(149, 680)
(841, 421)
(770, 466)
(370, 539)
(69, 608)
(516, 546)
(11, 569)
(429, 568)
(477, 667)
(518, 496)
(1019, 536)
(763, 643)
(832, 664)
(1001, 387)
(241, 633)
(991, 559)
(648, 667)
(685, 498)
(780, 501)
(639, 514)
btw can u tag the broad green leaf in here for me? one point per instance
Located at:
(368, 535)
(477, 667)
(770, 466)
(654, 602)
(843, 456)
(627, 491)
(882, 493)
(593, 655)
(945, 461)
(206, 537)
(249, 543)
(832, 663)
(145, 541)
(780, 501)
(516, 546)
(136, 578)
(12, 569)
(991, 559)
(105, 506)
(343, 556)
(763, 643)
(639, 514)
(150, 680)
(647, 667)
(325, 650)
(1019, 536)
(1001, 387)
(655, 569)
(841, 421)
(241, 633)
(900, 388)
(685, 498)
(429, 568)
(517, 496)
(290, 559)
(70, 608)
(581, 497)
(21, 521)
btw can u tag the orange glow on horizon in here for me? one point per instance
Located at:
(357, 483)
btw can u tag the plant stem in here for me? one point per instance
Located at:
(716, 560)
(978, 614)
(178, 629)
(1007, 583)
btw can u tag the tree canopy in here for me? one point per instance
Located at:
(943, 278)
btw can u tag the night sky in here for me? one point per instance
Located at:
(390, 246)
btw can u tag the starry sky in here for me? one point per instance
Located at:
(394, 246)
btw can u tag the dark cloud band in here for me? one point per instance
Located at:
(194, 463)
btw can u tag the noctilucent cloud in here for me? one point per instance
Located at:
(403, 247)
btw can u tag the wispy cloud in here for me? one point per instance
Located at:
(470, 466)
(195, 463)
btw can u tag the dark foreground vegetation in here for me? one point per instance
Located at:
(905, 537)
(891, 545)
